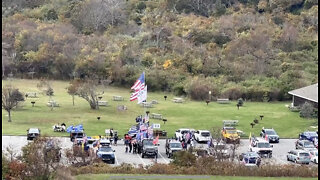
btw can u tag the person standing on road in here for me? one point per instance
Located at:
(115, 139)
(130, 145)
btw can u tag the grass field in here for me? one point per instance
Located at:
(154, 177)
(191, 114)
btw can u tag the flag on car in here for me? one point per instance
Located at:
(156, 140)
(69, 129)
(138, 86)
(250, 138)
(266, 137)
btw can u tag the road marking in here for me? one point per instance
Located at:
(163, 158)
(142, 160)
(116, 160)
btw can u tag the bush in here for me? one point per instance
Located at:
(184, 158)
(198, 89)
(307, 110)
(240, 102)
(233, 93)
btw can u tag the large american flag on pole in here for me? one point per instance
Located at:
(138, 88)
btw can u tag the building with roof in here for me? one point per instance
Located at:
(305, 94)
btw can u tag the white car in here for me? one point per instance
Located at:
(180, 132)
(314, 156)
(202, 135)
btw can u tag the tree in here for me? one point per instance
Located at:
(307, 110)
(88, 91)
(42, 157)
(10, 99)
(72, 89)
(45, 86)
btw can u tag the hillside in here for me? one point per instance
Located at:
(255, 49)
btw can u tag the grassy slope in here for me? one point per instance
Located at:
(107, 176)
(192, 114)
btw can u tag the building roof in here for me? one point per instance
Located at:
(310, 92)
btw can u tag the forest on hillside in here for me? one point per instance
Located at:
(254, 49)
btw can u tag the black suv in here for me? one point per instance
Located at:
(270, 135)
(148, 148)
(33, 133)
(76, 134)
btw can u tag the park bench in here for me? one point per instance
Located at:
(156, 116)
(122, 108)
(223, 101)
(146, 104)
(31, 94)
(154, 102)
(102, 103)
(118, 98)
(230, 122)
(177, 100)
(52, 104)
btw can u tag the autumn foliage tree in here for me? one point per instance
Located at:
(10, 99)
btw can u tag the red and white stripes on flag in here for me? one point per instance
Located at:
(139, 88)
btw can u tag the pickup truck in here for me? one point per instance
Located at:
(262, 147)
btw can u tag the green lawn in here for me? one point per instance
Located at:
(172, 177)
(192, 114)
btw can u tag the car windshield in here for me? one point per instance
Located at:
(270, 132)
(175, 145)
(148, 143)
(231, 132)
(303, 154)
(263, 145)
(205, 134)
(91, 141)
(311, 134)
(252, 154)
(184, 131)
(308, 144)
(33, 131)
(105, 149)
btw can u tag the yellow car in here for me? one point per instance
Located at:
(230, 134)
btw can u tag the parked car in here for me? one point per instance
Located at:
(148, 148)
(104, 142)
(308, 135)
(219, 150)
(230, 134)
(314, 156)
(180, 132)
(76, 134)
(33, 133)
(261, 146)
(299, 156)
(250, 159)
(172, 147)
(270, 135)
(106, 153)
(202, 136)
(305, 145)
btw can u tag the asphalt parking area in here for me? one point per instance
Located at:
(280, 150)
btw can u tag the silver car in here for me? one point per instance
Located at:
(299, 156)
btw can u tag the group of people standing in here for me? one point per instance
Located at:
(132, 145)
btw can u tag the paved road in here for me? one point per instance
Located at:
(279, 150)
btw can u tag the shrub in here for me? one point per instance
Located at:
(307, 110)
(198, 89)
(233, 93)
(184, 158)
(240, 102)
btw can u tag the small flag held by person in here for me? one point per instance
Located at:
(156, 140)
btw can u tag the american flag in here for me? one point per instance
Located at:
(137, 87)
